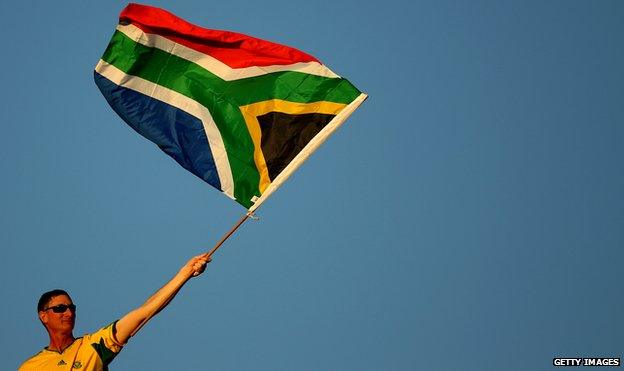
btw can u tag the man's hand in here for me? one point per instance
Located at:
(196, 265)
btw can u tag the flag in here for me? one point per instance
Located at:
(239, 112)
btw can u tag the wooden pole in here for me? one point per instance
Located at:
(248, 215)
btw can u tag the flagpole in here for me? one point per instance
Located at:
(242, 220)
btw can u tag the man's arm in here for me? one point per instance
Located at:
(133, 321)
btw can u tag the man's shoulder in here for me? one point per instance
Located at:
(104, 343)
(105, 331)
(33, 362)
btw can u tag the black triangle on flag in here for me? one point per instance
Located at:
(284, 135)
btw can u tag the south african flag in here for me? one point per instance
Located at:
(239, 112)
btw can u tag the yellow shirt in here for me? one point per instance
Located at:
(92, 352)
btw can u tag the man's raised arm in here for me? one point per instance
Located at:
(132, 322)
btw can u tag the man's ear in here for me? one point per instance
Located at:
(43, 317)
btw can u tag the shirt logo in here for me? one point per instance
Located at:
(77, 364)
(61, 363)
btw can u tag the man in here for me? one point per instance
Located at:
(95, 351)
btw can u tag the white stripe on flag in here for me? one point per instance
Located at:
(187, 105)
(214, 65)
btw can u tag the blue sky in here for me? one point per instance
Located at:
(470, 215)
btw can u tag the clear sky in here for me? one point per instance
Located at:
(470, 215)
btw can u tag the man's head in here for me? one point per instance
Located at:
(57, 311)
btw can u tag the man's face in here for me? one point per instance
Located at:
(58, 322)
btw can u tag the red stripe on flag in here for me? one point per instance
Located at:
(234, 49)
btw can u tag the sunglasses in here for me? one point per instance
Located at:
(61, 308)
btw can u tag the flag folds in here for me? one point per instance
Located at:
(239, 112)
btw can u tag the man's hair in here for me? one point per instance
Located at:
(47, 296)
